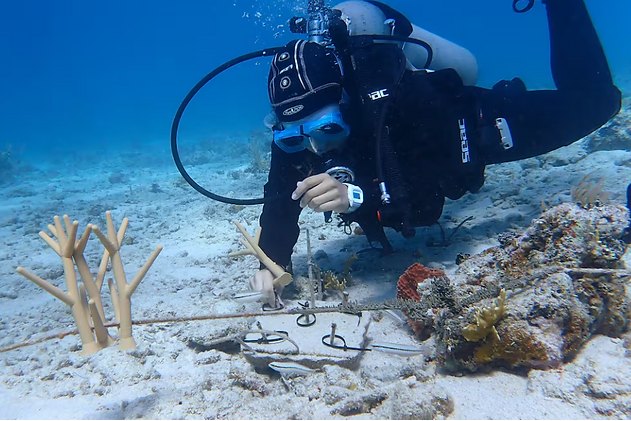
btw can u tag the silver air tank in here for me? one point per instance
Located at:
(364, 18)
(446, 55)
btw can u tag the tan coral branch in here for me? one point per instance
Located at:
(485, 321)
(282, 278)
(64, 247)
(46, 286)
(93, 290)
(112, 242)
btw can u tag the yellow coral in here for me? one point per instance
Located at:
(485, 320)
(339, 282)
(348, 262)
(332, 281)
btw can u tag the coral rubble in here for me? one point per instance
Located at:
(558, 283)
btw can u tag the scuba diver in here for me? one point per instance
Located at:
(381, 132)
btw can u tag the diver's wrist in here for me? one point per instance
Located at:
(355, 197)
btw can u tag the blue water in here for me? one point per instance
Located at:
(102, 75)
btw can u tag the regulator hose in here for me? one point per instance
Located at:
(529, 5)
(178, 117)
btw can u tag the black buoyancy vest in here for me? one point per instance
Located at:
(437, 128)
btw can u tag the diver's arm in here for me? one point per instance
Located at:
(585, 99)
(279, 219)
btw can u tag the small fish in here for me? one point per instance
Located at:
(285, 368)
(399, 349)
(248, 296)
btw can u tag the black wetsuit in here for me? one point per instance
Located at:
(425, 125)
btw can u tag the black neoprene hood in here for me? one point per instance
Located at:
(303, 78)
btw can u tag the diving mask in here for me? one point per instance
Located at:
(319, 133)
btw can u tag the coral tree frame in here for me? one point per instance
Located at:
(88, 314)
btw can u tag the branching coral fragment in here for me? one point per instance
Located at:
(485, 321)
(332, 281)
(68, 247)
(121, 294)
(252, 248)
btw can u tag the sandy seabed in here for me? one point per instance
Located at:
(165, 378)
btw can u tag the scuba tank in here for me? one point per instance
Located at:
(375, 18)
(446, 55)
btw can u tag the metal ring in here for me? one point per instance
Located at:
(265, 340)
(307, 324)
(267, 307)
(343, 347)
(526, 8)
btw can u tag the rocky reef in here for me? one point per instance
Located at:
(532, 301)
(615, 135)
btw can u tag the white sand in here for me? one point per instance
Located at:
(193, 276)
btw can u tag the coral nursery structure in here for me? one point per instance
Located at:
(89, 314)
(534, 300)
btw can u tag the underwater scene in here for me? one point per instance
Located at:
(313, 209)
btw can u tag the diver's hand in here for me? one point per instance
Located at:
(263, 280)
(322, 193)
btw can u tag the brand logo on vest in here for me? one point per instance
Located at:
(383, 93)
(464, 142)
(293, 110)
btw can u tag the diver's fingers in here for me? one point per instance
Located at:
(256, 282)
(331, 196)
(334, 205)
(263, 281)
(266, 285)
(316, 193)
(268, 289)
(279, 292)
(307, 184)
